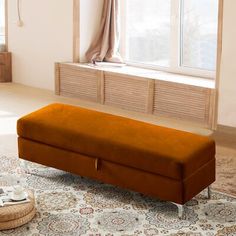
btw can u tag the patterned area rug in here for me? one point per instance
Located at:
(225, 170)
(69, 205)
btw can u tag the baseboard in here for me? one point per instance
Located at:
(228, 131)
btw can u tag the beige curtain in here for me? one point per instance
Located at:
(106, 43)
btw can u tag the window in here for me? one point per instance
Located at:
(179, 36)
(2, 21)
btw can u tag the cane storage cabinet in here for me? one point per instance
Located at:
(183, 101)
(5, 67)
(78, 82)
(137, 92)
(126, 92)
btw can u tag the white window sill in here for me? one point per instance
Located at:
(154, 74)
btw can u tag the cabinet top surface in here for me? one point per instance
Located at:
(150, 74)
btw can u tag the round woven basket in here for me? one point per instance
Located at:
(17, 222)
(17, 215)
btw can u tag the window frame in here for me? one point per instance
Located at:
(175, 47)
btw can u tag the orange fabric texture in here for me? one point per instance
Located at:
(158, 150)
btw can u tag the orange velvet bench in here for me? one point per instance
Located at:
(165, 163)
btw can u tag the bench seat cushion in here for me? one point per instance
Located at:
(159, 150)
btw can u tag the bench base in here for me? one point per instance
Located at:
(179, 206)
(177, 191)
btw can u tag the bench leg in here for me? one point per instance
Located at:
(181, 207)
(180, 210)
(209, 192)
(24, 166)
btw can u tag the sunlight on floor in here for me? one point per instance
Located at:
(7, 123)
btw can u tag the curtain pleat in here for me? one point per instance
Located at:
(106, 44)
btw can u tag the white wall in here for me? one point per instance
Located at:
(90, 15)
(227, 93)
(45, 38)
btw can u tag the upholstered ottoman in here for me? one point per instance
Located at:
(166, 163)
(17, 215)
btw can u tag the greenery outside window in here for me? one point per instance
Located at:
(178, 36)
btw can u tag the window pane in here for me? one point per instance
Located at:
(148, 31)
(199, 33)
(2, 21)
